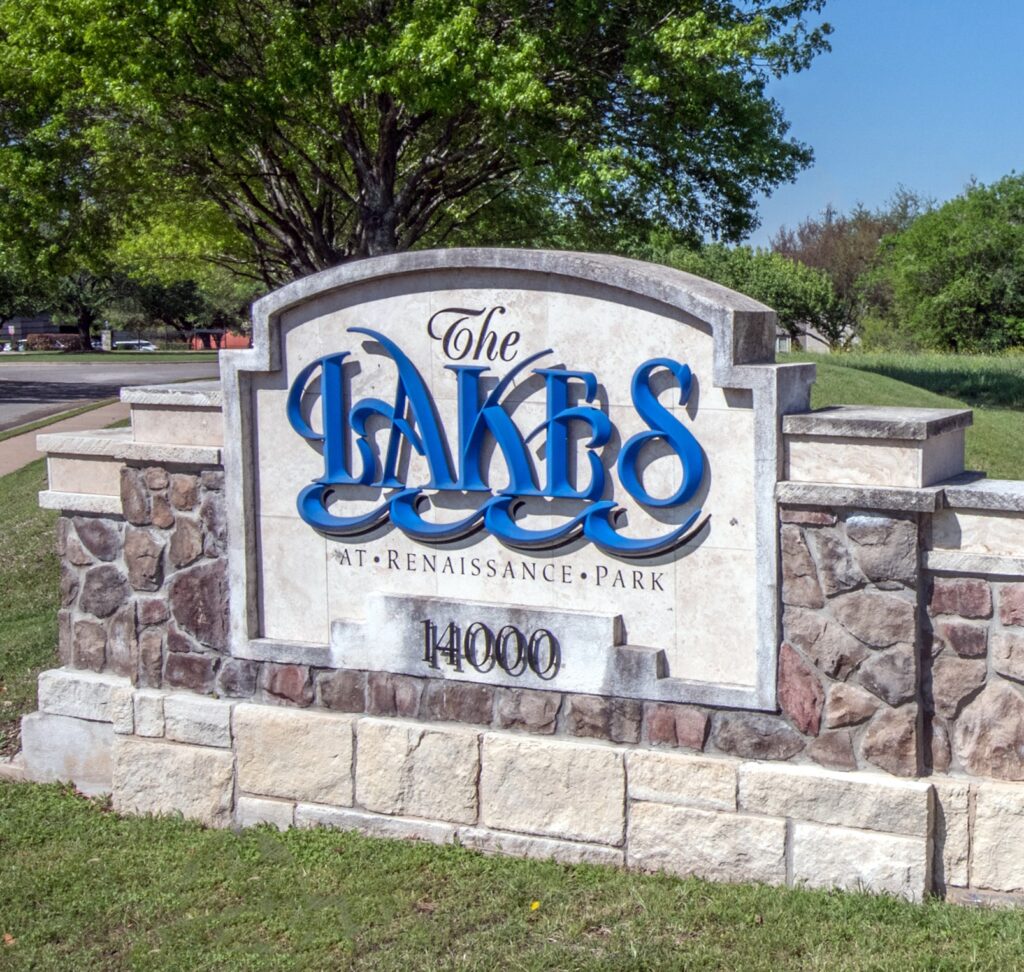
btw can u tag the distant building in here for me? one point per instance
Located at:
(217, 339)
(807, 339)
(19, 328)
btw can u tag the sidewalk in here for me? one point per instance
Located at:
(21, 449)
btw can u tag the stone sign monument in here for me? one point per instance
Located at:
(545, 554)
(523, 469)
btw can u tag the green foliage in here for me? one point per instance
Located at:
(141, 303)
(878, 333)
(57, 203)
(80, 296)
(954, 279)
(327, 130)
(20, 293)
(800, 295)
(178, 304)
(846, 247)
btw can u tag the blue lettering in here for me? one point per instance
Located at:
(477, 419)
(560, 417)
(412, 416)
(662, 425)
(412, 389)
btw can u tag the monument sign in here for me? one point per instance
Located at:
(545, 554)
(538, 470)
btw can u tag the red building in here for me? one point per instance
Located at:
(217, 339)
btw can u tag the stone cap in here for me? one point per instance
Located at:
(185, 394)
(1005, 495)
(918, 499)
(965, 562)
(97, 503)
(118, 444)
(969, 490)
(878, 422)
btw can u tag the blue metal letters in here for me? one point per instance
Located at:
(412, 416)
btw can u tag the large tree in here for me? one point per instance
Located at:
(19, 291)
(331, 129)
(954, 278)
(59, 206)
(846, 247)
(801, 296)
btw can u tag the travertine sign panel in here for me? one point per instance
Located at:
(545, 470)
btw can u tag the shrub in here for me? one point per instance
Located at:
(55, 342)
(955, 276)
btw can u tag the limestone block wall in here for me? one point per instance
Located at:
(227, 763)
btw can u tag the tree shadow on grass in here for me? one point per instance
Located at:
(978, 381)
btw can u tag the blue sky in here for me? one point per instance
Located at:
(926, 93)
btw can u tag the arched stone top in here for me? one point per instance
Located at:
(744, 329)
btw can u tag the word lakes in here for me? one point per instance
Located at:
(459, 465)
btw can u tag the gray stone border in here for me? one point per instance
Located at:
(98, 503)
(908, 499)
(1002, 495)
(743, 334)
(960, 562)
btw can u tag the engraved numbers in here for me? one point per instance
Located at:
(509, 649)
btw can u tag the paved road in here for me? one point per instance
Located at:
(20, 450)
(30, 390)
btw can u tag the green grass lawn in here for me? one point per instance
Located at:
(29, 597)
(81, 888)
(988, 380)
(84, 889)
(110, 356)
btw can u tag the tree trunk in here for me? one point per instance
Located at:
(379, 233)
(85, 321)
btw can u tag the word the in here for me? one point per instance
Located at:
(459, 340)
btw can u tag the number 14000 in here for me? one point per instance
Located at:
(477, 646)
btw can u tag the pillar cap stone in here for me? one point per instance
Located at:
(878, 422)
(1004, 495)
(193, 394)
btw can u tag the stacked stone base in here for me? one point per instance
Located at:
(229, 763)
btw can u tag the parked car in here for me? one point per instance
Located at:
(134, 346)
